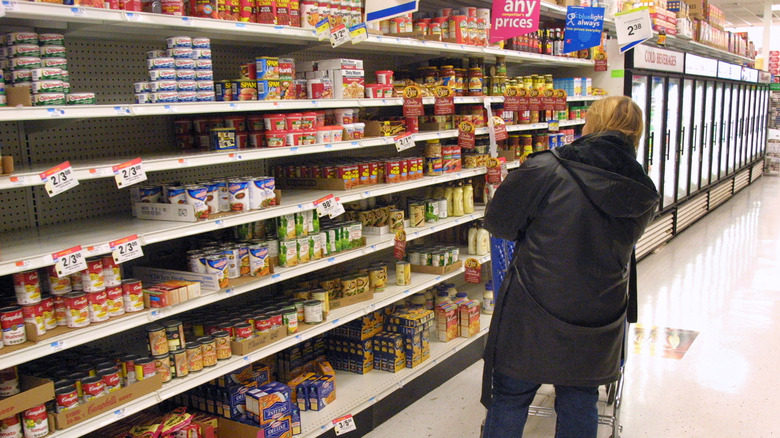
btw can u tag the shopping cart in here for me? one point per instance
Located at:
(501, 253)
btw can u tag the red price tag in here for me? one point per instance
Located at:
(473, 271)
(467, 137)
(499, 129)
(413, 103)
(496, 170)
(59, 179)
(445, 101)
(129, 173)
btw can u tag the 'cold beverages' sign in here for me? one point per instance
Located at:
(512, 18)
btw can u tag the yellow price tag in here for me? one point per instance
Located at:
(358, 33)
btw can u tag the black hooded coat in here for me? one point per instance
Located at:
(576, 213)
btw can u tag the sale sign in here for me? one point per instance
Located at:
(583, 28)
(512, 18)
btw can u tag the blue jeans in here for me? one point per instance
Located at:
(575, 408)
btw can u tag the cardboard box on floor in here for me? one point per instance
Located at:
(35, 392)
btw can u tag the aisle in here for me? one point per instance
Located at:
(720, 278)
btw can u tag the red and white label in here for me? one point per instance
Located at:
(129, 173)
(473, 271)
(329, 205)
(404, 142)
(69, 261)
(127, 248)
(344, 424)
(59, 179)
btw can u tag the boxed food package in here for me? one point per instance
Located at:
(696, 8)
(329, 64)
(684, 28)
(447, 321)
(268, 404)
(715, 16)
(389, 352)
(468, 319)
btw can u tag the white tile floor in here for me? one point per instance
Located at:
(721, 277)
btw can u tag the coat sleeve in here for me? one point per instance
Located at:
(514, 204)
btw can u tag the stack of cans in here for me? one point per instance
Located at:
(181, 73)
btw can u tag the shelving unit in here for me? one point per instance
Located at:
(30, 128)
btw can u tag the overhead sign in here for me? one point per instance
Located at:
(729, 71)
(385, 9)
(633, 27)
(653, 58)
(700, 66)
(513, 18)
(583, 28)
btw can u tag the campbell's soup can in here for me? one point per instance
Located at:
(12, 324)
(92, 277)
(57, 285)
(47, 307)
(27, 287)
(9, 382)
(75, 282)
(11, 427)
(35, 422)
(98, 306)
(111, 378)
(132, 295)
(116, 306)
(60, 310)
(78, 309)
(93, 387)
(112, 274)
(127, 370)
(66, 398)
(33, 314)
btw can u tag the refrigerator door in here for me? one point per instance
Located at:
(684, 156)
(742, 107)
(726, 138)
(696, 134)
(655, 136)
(734, 137)
(639, 94)
(708, 133)
(671, 142)
(718, 133)
(750, 119)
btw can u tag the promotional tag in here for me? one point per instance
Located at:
(553, 126)
(358, 33)
(339, 35)
(413, 103)
(560, 100)
(403, 142)
(344, 424)
(473, 271)
(323, 29)
(129, 173)
(125, 249)
(512, 98)
(523, 99)
(329, 205)
(399, 251)
(444, 104)
(534, 100)
(496, 170)
(499, 129)
(633, 27)
(69, 261)
(548, 100)
(466, 135)
(59, 179)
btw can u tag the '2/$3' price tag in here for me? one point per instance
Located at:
(129, 173)
(125, 249)
(59, 179)
(69, 261)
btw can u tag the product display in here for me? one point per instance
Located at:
(181, 73)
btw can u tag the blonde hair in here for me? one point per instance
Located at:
(617, 113)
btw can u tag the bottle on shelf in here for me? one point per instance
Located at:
(482, 241)
(448, 193)
(472, 239)
(488, 299)
(457, 200)
(442, 296)
(468, 198)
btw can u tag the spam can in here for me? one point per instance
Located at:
(46, 74)
(268, 90)
(80, 98)
(244, 90)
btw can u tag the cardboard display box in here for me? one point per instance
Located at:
(113, 400)
(259, 341)
(347, 301)
(35, 392)
(438, 270)
(234, 429)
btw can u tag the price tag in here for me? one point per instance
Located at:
(122, 110)
(238, 157)
(10, 5)
(2, 10)
(344, 424)
(404, 142)
(169, 108)
(154, 315)
(130, 16)
(58, 346)
(323, 29)
(69, 261)
(473, 271)
(125, 249)
(329, 205)
(23, 264)
(339, 35)
(18, 180)
(358, 33)
(184, 162)
(553, 126)
(129, 173)
(78, 12)
(55, 112)
(59, 179)
(633, 26)
(186, 21)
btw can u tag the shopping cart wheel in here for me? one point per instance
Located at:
(611, 393)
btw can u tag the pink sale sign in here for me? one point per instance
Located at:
(512, 18)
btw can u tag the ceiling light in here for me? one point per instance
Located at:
(776, 7)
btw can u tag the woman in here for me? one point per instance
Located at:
(576, 213)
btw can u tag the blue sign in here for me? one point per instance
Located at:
(583, 28)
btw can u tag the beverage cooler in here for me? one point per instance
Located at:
(705, 119)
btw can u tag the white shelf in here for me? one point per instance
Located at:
(32, 250)
(355, 392)
(336, 318)
(116, 325)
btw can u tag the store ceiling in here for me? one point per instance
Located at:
(745, 13)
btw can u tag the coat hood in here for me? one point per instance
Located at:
(605, 167)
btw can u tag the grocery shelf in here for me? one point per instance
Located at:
(33, 249)
(337, 317)
(356, 392)
(67, 338)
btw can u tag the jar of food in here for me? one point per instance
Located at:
(208, 349)
(162, 366)
(222, 341)
(447, 76)
(476, 82)
(194, 356)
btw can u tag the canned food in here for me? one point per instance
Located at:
(127, 369)
(403, 273)
(288, 252)
(27, 287)
(313, 312)
(158, 342)
(57, 285)
(111, 378)
(416, 214)
(112, 274)
(290, 319)
(66, 398)
(217, 264)
(92, 278)
(132, 295)
(78, 314)
(13, 38)
(174, 333)
(52, 51)
(239, 195)
(194, 357)
(180, 41)
(93, 387)
(160, 63)
(259, 263)
(196, 196)
(35, 422)
(60, 310)
(304, 249)
(222, 344)
(144, 368)
(33, 314)
(243, 331)
(201, 43)
(163, 74)
(162, 366)
(179, 366)
(208, 350)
